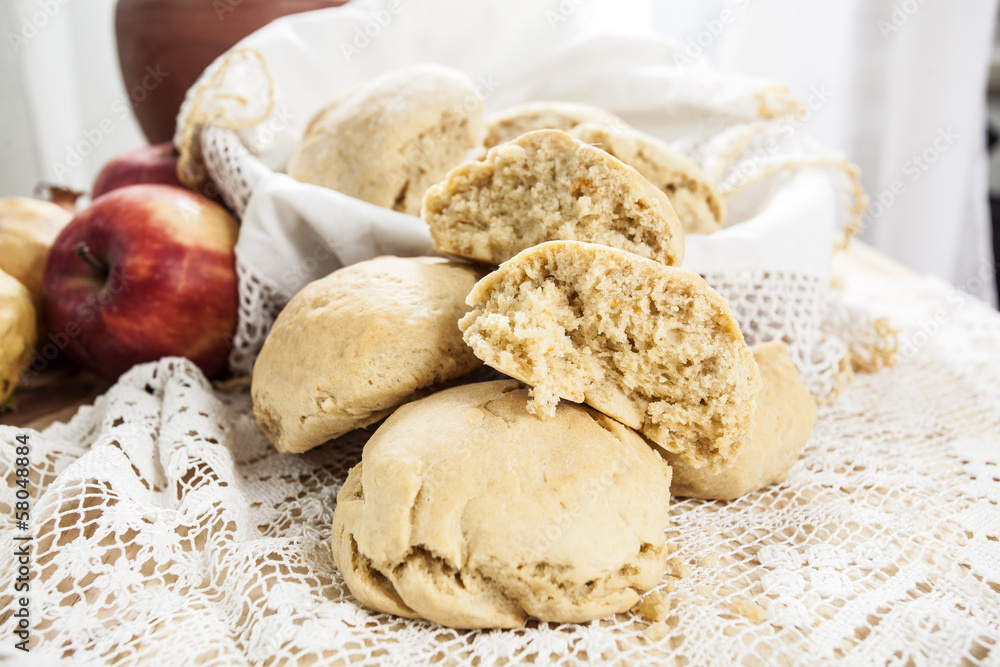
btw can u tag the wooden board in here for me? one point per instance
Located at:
(53, 395)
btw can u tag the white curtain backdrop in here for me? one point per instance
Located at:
(63, 107)
(900, 87)
(897, 85)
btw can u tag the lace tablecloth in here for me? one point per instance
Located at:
(164, 530)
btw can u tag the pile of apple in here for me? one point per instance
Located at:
(147, 270)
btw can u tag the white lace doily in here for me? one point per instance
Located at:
(259, 307)
(790, 307)
(231, 166)
(165, 530)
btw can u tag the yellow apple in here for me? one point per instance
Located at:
(28, 228)
(18, 328)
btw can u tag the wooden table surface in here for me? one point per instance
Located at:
(54, 394)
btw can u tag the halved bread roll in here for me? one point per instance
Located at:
(691, 193)
(652, 346)
(784, 417)
(545, 186)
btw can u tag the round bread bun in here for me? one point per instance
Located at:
(468, 511)
(352, 346)
(387, 140)
(543, 186)
(18, 332)
(650, 345)
(784, 417)
(691, 193)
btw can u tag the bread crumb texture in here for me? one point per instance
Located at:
(749, 610)
(679, 568)
(350, 347)
(656, 631)
(709, 560)
(692, 194)
(784, 415)
(546, 186)
(653, 607)
(471, 512)
(690, 191)
(650, 345)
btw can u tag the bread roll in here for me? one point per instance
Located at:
(387, 140)
(784, 416)
(545, 186)
(650, 345)
(468, 511)
(350, 347)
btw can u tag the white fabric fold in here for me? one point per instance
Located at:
(789, 224)
(293, 233)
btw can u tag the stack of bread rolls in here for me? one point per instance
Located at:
(544, 494)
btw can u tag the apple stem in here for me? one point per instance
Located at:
(83, 252)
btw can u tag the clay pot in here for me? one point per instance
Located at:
(165, 45)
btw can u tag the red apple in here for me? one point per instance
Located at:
(149, 164)
(147, 271)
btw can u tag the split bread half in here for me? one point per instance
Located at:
(544, 186)
(690, 191)
(693, 196)
(650, 345)
(468, 511)
(784, 418)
